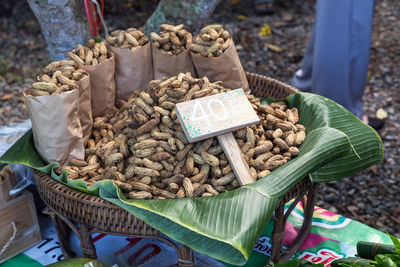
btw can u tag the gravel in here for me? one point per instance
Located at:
(372, 196)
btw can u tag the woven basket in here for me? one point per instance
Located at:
(84, 209)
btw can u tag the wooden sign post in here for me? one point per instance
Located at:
(219, 115)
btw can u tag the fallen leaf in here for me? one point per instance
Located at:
(352, 208)
(381, 114)
(265, 30)
(286, 16)
(242, 17)
(239, 47)
(30, 23)
(278, 24)
(374, 169)
(7, 97)
(128, 5)
(274, 48)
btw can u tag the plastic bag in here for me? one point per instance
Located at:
(10, 134)
(24, 177)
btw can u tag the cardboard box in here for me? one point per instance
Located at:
(20, 210)
(7, 181)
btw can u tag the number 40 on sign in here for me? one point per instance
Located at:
(214, 115)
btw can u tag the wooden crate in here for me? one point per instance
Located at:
(20, 210)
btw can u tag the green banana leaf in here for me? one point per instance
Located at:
(227, 226)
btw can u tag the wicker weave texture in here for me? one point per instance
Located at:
(105, 216)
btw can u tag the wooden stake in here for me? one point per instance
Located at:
(236, 159)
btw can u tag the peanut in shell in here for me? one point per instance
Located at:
(188, 186)
(140, 195)
(45, 86)
(210, 159)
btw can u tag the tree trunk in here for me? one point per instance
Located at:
(63, 24)
(193, 13)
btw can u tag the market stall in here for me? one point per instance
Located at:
(145, 170)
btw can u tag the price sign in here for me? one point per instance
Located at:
(215, 115)
(219, 115)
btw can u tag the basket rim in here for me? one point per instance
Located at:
(288, 86)
(55, 187)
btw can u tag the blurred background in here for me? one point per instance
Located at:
(271, 45)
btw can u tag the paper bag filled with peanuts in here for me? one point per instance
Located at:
(170, 51)
(214, 55)
(99, 62)
(60, 111)
(133, 65)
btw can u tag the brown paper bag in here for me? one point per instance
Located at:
(133, 70)
(85, 108)
(102, 86)
(56, 126)
(166, 66)
(226, 68)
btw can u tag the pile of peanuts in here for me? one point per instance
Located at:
(57, 77)
(212, 41)
(130, 39)
(91, 54)
(144, 150)
(274, 141)
(172, 40)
